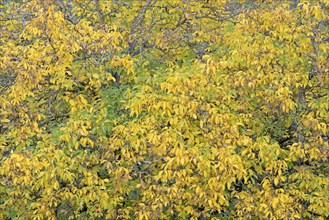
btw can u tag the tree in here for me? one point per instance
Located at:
(221, 110)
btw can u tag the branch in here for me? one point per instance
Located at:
(99, 11)
(135, 24)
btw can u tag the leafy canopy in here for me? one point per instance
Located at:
(164, 109)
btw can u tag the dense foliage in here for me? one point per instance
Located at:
(164, 109)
